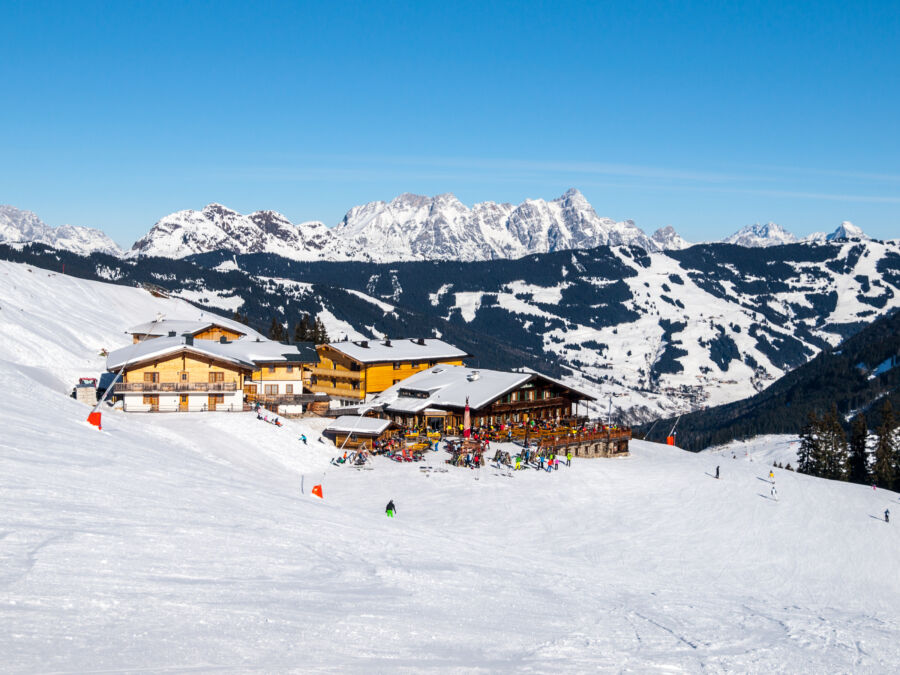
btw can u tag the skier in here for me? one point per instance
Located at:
(390, 509)
(569, 458)
(774, 493)
(303, 438)
(717, 473)
(887, 515)
(771, 475)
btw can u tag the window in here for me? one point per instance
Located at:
(271, 390)
(396, 365)
(396, 381)
(289, 368)
(271, 369)
(151, 377)
(152, 401)
(184, 376)
(288, 389)
(414, 364)
(216, 376)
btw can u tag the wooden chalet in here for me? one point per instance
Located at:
(436, 399)
(350, 371)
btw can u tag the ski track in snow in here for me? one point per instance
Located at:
(182, 542)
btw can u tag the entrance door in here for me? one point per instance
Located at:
(215, 399)
(183, 403)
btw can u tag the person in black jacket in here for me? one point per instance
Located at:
(390, 509)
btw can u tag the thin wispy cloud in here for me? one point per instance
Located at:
(464, 170)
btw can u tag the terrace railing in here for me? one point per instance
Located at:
(174, 387)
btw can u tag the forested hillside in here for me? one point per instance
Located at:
(858, 375)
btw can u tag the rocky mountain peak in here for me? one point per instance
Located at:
(847, 230)
(17, 225)
(668, 239)
(761, 234)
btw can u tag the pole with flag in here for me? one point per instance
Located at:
(467, 421)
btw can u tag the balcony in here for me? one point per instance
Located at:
(174, 387)
(342, 374)
(338, 392)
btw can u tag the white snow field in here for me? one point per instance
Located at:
(182, 542)
(763, 450)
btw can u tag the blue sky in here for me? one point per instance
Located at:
(705, 116)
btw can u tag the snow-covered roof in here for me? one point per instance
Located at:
(405, 349)
(191, 326)
(243, 352)
(449, 387)
(358, 425)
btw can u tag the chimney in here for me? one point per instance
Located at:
(364, 344)
(387, 343)
(223, 340)
(189, 340)
(171, 333)
(421, 341)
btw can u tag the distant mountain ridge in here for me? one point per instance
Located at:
(18, 226)
(662, 332)
(408, 228)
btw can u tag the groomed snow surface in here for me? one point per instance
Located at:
(179, 542)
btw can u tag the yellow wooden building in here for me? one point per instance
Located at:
(181, 372)
(351, 370)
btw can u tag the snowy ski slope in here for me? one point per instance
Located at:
(183, 542)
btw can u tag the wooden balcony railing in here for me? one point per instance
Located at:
(174, 387)
(341, 374)
(340, 392)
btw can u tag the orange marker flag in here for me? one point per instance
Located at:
(317, 491)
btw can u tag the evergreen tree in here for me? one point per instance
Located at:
(884, 470)
(834, 447)
(276, 330)
(809, 454)
(859, 460)
(301, 330)
(320, 335)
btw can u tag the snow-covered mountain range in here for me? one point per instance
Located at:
(408, 228)
(18, 226)
(666, 332)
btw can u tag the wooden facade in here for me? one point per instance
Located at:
(183, 382)
(343, 377)
(541, 400)
(212, 333)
